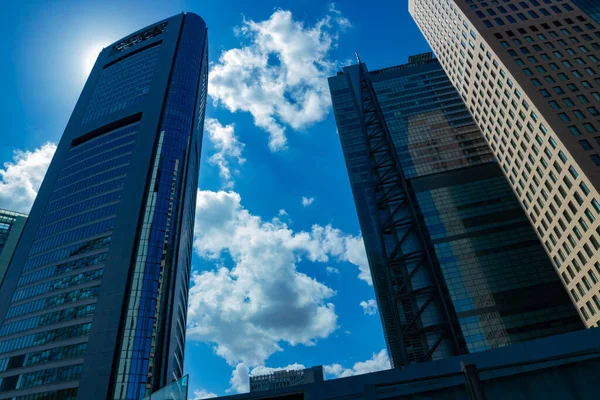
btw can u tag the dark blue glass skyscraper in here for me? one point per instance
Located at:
(95, 298)
(591, 7)
(456, 266)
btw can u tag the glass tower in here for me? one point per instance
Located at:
(98, 285)
(528, 73)
(591, 7)
(11, 226)
(501, 287)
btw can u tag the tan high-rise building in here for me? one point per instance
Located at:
(529, 73)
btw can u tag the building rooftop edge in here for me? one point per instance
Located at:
(15, 213)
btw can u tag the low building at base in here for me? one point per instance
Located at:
(559, 367)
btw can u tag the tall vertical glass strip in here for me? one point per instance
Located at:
(502, 286)
(98, 283)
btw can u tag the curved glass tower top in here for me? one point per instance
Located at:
(98, 283)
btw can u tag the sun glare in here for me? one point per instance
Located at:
(89, 58)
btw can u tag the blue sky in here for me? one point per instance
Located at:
(278, 252)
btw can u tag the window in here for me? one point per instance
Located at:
(582, 99)
(573, 172)
(574, 130)
(564, 117)
(585, 144)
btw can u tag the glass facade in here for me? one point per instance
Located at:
(122, 84)
(69, 250)
(177, 390)
(148, 299)
(591, 7)
(97, 289)
(11, 226)
(502, 285)
(432, 130)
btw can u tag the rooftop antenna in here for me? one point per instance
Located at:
(357, 57)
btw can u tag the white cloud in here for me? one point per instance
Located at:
(202, 394)
(227, 147)
(332, 271)
(282, 213)
(280, 73)
(248, 310)
(240, 380)
(344, 23)
(263, 370)
(356, 254)
(378, 362)
(21, 178)
(369, 307)
(307, 201)
(345, 247)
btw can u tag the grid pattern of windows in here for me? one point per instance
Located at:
(63, 268)
(105, 263)
(493, 263)
(490, 256)
(52, 301)
(488, 252)
(503, 13)
(48, 319)
(122, 84)
(533, 89)
(432, 130)
(43, 377)
(36, 339)
(58, 287)
(43, 357)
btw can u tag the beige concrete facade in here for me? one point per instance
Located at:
(529, 73)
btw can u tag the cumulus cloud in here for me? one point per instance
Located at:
(345, 248)
(378, 362)
(240, 381)
(307, 201)
(240, 376)
(356, 254)
(369, 307)
(203, 394)
(263, 300)
(227, 148)
(263, 370)
(282, 213)
(279, 74)
(20, 179)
